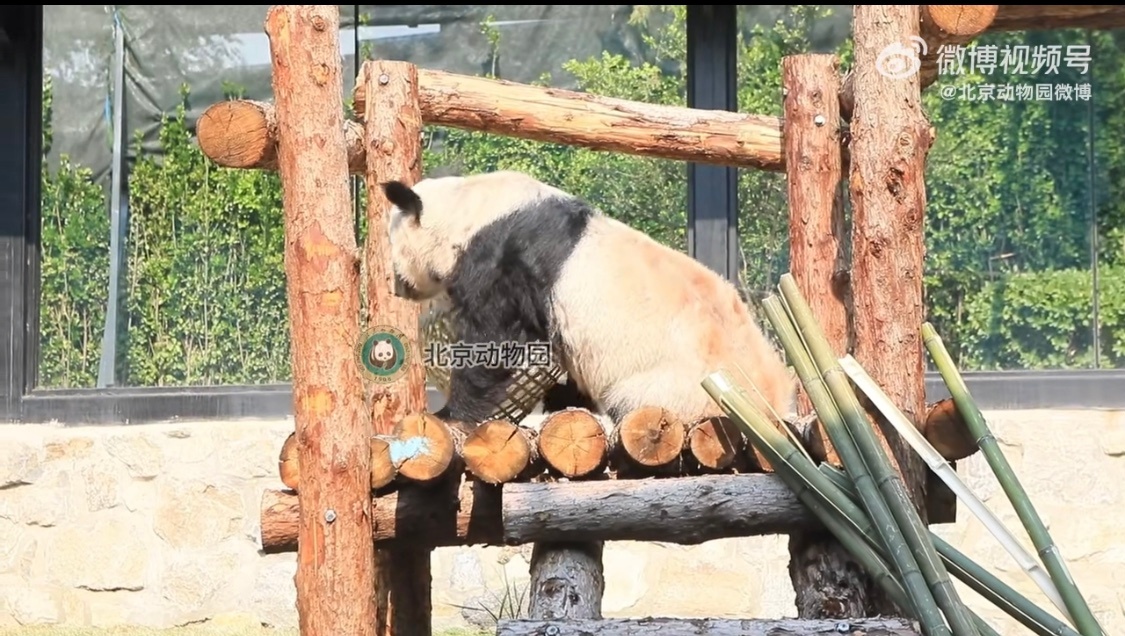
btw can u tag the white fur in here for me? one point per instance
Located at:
(454, 209)
(645, 324)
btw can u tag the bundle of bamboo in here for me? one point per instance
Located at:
(866, 506)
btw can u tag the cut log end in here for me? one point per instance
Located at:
(383, 469)
(424, 447)
(958, 20)
(287, 463)
(239, 134)
(573, 443)
(716, 443)
(499, 451)
(946, 430)
(652, 437)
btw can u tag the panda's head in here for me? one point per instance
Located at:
(431, 223)
(383, 351)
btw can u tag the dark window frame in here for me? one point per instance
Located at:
(712, 227)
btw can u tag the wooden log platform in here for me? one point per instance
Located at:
(707, 627)
(684, 510)
(574, 445)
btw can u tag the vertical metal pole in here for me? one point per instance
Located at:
(118, 219)
(1091, 165)
(712, 37)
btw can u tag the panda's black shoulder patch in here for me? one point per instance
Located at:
(404, 197)
(508, 271)
(501, 290)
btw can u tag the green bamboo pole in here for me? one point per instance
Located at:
(841, 514)
(1080, 612)
(889, 532)
(797, 471)
(889, 482)
(980, 580)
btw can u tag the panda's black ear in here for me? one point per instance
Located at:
(403, 197)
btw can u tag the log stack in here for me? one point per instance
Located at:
(575, 444)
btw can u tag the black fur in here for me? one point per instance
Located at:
(501, 290)
(567, 395)
(401, 195)
(615, 415)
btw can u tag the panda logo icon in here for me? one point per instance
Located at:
(382, 354)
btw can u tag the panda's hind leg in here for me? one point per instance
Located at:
(672, 388)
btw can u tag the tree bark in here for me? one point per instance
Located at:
(890, 139)
(567, 581)
(392, 140)
(321, 268)
(705, 627)
(1017, 17)
(940, 25)
(827, 580)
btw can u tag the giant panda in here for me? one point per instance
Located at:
(633, 322)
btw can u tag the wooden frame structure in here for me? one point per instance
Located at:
(333, 519)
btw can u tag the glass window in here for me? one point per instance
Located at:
(1009, 218)
(1021, 187)
(201, 285)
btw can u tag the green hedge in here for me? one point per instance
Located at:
(205, 282)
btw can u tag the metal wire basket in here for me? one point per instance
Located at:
(528, 387)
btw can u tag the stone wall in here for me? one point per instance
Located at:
(157, 525)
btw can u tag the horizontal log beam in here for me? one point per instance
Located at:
(706, 627)
(442, 514)
(1033, 17)
(684, 510)
(242, 133)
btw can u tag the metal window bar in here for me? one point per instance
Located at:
(118, 210)
(712, 232)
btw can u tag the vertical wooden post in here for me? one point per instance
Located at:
(393, 139)
(335, 572)
(567, 581)
(890, 139)
(827, 581)
(814, 170)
